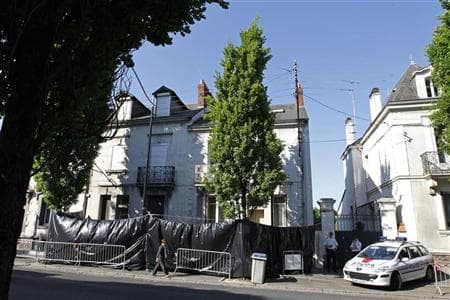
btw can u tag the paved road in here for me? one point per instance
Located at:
(37, 285)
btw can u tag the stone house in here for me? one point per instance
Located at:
(179, 160)
(397, 167)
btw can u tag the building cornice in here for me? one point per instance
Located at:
(394, 106)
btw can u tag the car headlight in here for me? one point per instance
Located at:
(383, 269)
(347, 264)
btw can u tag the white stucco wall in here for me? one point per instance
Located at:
(391, 158)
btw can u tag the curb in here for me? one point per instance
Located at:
(206, 280)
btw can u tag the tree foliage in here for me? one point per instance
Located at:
(58, 62)
(244, 150)
(87, 41)
(439, 54)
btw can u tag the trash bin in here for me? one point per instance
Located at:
(258, 267)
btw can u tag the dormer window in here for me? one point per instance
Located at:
(432, 91)
(163, 104)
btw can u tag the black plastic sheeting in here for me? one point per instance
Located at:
(141, 237)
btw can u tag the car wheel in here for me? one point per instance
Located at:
(396, 281)
(429, 275)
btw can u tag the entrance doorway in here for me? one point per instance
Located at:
(155, 204)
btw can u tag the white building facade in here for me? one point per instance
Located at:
(179, 160)
(397, 161)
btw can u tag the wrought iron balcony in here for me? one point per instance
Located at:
(158, 176)
(436, 163)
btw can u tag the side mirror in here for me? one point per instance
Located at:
(404, 259)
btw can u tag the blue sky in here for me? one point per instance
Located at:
(333, 42)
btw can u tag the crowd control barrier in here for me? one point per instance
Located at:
(203, 261)
(76, 253)
(441, 262)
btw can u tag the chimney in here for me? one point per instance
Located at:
(374, 103)
(203, 92)
(299, 96)
(349, 131)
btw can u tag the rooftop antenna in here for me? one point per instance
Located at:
(352, 94)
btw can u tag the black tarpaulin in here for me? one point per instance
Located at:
(141, 236)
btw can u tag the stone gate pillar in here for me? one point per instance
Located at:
(388, 218)
(327, 222)
(327, 214)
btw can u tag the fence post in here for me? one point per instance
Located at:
(327, 221)
(388, 218)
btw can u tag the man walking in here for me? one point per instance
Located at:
(161, 257)
(331, 246)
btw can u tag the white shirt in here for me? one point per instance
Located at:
(331, 243)
(355, 246)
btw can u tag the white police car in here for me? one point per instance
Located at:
(390, 263)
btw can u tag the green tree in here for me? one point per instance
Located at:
(244, 150)
(58, 62)
(439, 55)
(316, 214)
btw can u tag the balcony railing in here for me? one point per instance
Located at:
(157, 176)
(435, 163)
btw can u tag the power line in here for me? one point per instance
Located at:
(335, 109)
(277, 77)
(324, 141)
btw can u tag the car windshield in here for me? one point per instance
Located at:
(378, 252)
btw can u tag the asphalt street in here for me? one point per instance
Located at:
(70, 286)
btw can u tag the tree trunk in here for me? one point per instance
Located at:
(15, 167)
(25, 92)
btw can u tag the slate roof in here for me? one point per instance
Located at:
(405, 89)
(287, 114)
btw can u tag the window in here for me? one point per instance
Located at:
(423, 250)
(257, 216)
(122, 206)
(163, 104)
(403, 253)
(105, 204)
(414, 252)
(432, 91)
(213, 211)
(44, 214)
(279, 210)
(446, 202)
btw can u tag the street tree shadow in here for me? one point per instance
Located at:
(24, 283)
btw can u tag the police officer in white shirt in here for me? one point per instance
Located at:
(355, 246)
(331, 246)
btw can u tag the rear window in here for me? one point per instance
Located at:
(423, 250)
(379, 252)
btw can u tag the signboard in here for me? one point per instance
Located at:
(293, 261)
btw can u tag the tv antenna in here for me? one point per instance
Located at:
(351, 90)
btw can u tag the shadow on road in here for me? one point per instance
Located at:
(39, 285)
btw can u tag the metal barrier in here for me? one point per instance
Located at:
(292, 261)
(77, 253)
(204, 261)
(442, 277)
(441, 263)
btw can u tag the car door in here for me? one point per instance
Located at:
(415, 263)
(403, 264)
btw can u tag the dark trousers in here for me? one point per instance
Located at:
(161, 263)
(331, 259)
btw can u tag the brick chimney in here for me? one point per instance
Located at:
(203, 92)
(299, 96)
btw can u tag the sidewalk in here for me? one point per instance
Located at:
(317, 282)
